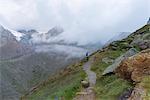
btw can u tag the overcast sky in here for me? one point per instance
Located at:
(82, 20)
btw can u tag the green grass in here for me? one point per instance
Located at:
(108, 87)
(99, 66)
(64, 86)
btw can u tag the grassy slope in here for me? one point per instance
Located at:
(63, 85)
(110, 87)
(107, 87)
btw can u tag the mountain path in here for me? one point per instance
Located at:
(88, 93)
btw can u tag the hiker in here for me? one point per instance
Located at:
(87, 56)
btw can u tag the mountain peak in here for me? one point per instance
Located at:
(55, 31)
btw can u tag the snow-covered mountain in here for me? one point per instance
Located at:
(21, 69)
(41, 41)
(55, 31)
(10, 47)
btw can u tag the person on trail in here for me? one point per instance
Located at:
(87, 56)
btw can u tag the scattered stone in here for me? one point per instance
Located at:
(85, 84)
(107, 60)
(142, 44)
(81, 93)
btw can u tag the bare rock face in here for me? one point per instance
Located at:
(136, 67)
(116, 63)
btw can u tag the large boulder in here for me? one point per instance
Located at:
(136, 67)
(85, 84)
(142, 41)
(116, 63)
(142, 44)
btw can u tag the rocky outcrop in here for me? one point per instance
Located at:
(116, 63)
(142, 43)
(136, 67)
(142, 39)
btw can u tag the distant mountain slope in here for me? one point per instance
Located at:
(10, 47)
(21, 69)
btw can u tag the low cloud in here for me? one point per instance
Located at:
(83, 20)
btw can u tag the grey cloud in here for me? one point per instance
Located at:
(83, 20)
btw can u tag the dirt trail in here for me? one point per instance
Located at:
(88, 93)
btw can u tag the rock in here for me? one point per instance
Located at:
(85, 84)
(142, 41)
(125, 95)
(81, 93)
(116, 63)
(107, 60)
(142, 44)
(119, 45)
(141, 90)
(136, 67)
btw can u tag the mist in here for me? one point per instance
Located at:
(85, 21)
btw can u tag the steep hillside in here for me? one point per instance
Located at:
(24, 65)
(109, 86)
(10, 47)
